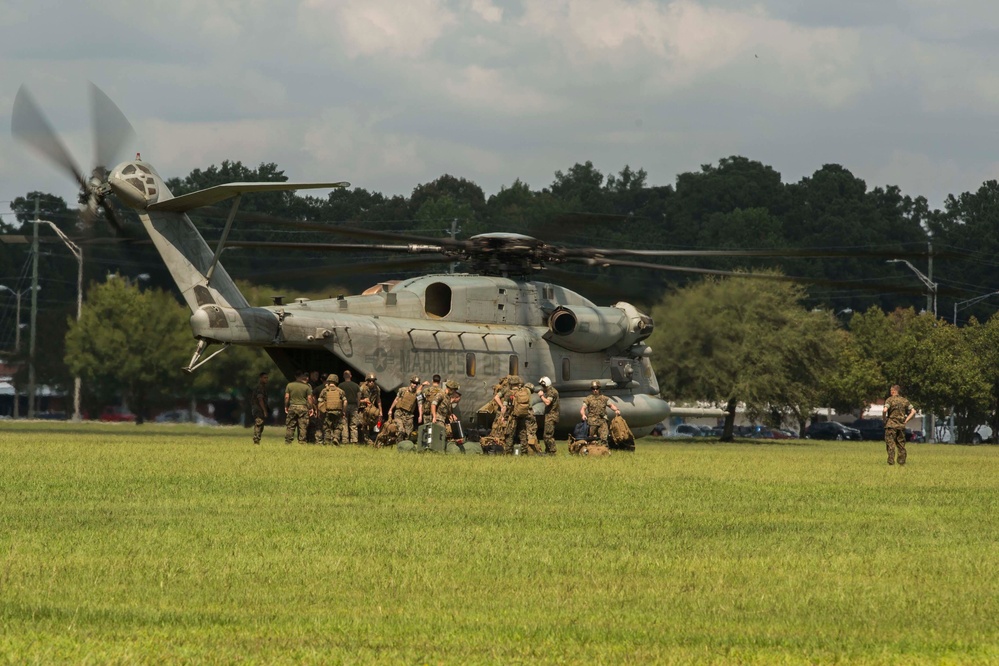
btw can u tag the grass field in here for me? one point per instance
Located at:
(125, 544)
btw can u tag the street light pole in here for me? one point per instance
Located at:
(931, 306)
(960, 305)
(78, 253)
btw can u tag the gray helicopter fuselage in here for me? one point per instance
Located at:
(474, 329)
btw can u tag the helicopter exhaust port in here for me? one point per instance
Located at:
(562, 322)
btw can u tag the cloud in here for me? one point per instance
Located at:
(367, 28)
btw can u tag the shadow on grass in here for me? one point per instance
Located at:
(122, 429)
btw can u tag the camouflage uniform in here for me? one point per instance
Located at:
(551, 418)
(521, 424)
(896, 410)
(370, 404)
(314, 433)
(596, 416)
(433, 395)
(298, 397)
(405, 410)
(332, 403)
(259, 410)
(350, 415)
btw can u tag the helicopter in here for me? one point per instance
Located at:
(500, 317)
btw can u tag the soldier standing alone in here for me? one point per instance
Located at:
(594, 412)
(258, 406)
(298, 407)
(898, 412)
(549, 396)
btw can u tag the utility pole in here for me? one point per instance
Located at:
(78, 253)
(931, 306)
(34, 312)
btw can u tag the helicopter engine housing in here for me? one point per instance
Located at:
(592, 329)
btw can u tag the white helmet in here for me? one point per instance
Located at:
(544, 381)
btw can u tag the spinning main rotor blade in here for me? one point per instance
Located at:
(753, 276)
(340, 270)
(28, 124)
(336, 229)
(330, 247)
(596, 253)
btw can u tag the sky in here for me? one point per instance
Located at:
(389, 94)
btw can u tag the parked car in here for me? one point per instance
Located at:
(184, 416)
(770, 433)
(116, 414)
(682, 430)
(831, 430)
(874, 429)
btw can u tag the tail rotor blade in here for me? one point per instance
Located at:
(28, 124)
(111, 129)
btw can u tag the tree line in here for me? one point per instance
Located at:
(737, 203)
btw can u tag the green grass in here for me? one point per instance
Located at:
(125, 544)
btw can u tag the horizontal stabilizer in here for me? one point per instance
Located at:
(213, 195)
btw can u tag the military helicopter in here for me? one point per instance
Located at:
(497, 318)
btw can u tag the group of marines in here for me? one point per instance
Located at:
(340, 412)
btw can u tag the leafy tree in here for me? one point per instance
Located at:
(742, 340)
(983, 339)
(436, 216)
(463, 192)
(130, 343)
(929, 358)
(857, 380)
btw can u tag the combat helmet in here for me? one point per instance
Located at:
(332, 379)
(594, 384)
(453, 385)
(515, 380)
(370, 377)
(414, 380)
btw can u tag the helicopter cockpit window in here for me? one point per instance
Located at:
(469, 365)
(514, 365)
(565, 370)
(437, 300)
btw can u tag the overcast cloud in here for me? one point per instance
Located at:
(388, 93)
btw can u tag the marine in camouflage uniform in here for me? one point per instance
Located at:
(298, 406)
(258, 406)
(549, 396)
(369, 402)
(522, 427)
(332, 404)
(594, 412)
(406, 407)
(314, 433)
(898, 411)
(432, 398)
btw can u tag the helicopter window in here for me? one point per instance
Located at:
(130, 169)
(566, 375)
(514, 365)
(469, 365)
(437, 300)
(143, 169)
